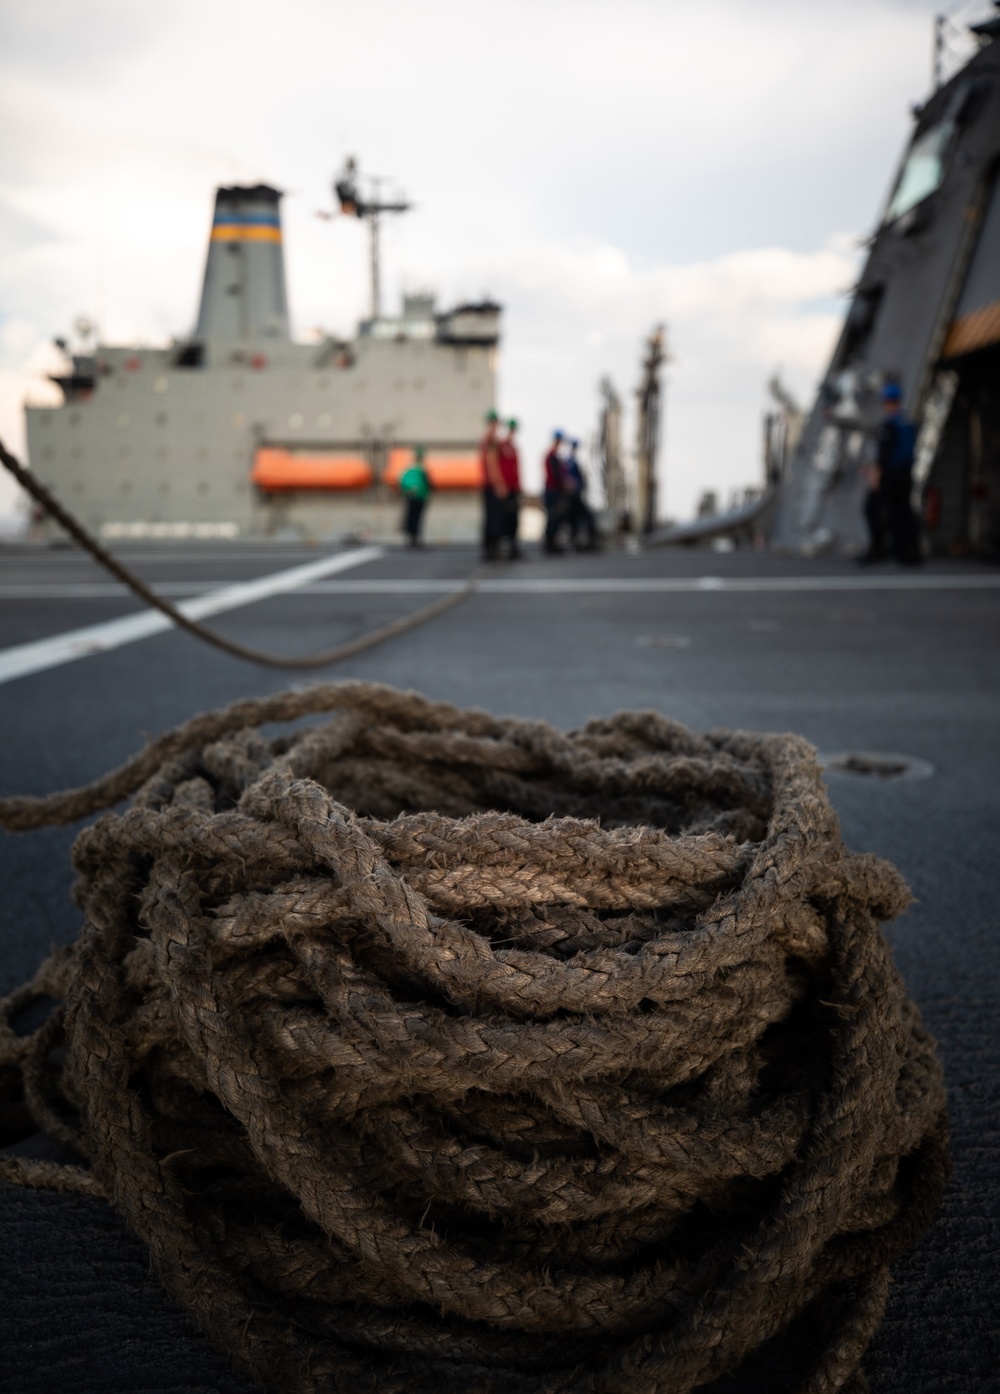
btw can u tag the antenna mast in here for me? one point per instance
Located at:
(610, 454)
(351, 202)
(648, 432)
(937, 63)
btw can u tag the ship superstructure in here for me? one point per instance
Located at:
(239, 430)
(925, 314)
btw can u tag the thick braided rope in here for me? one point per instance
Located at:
(432, 1051)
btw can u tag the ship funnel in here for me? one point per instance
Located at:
(243, 295)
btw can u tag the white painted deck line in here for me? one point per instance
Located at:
(638, 585)
(541, 585)
(20, 661)
(99, 590)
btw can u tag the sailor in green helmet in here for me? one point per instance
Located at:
(415, 486)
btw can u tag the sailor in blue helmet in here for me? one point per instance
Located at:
(582, 523)
(555, 497)
(892, 522)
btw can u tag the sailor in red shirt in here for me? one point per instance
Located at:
(555, 497)
(510, 473)
(494, 489)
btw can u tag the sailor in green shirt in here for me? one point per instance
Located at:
(415, 486)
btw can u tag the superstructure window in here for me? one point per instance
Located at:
(923, 170)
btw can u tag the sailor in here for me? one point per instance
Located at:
(510, 472)
(415, 486)
(875, 521)
(554, 497)
(888, 508)
(581, 515)
(494, 489)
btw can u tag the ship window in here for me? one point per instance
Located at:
(923, 171)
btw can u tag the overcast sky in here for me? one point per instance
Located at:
(595, 165)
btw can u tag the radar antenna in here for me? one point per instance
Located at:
(372, 207)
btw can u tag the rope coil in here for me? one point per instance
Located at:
(428, 1050)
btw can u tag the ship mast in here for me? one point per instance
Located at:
(371, 208)
(648, 427)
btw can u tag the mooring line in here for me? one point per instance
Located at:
(30, 657)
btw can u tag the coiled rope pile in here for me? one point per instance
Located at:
(429, 1051)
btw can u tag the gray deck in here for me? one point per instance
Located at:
(911, 670)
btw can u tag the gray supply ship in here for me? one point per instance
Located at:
(925, 314)
(239, 431)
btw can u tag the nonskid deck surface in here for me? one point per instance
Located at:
(871, 660)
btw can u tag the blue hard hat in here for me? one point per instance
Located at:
(892, 392)
(557, 435)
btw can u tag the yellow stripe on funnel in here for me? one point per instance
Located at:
(242, 232)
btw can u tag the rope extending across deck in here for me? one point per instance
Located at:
(306, 662)
(430, 1051)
